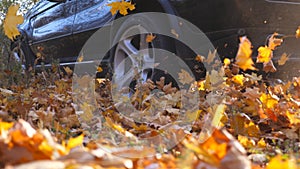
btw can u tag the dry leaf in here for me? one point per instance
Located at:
(200, 58)
(185, 78)
(298, 32)
(68, 70)
(122, 6)
(11, 21)
(211, 56)
(150, 38)
(265, 54)
(269, 67)
(284, 57)
(280, 162)
(243, 57)
(226, 62)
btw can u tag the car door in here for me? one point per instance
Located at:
(91, 15)
(52, 31)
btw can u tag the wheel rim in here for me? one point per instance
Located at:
(133, 59)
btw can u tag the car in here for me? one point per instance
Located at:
(58, 29)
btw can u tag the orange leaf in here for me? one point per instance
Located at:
(243, 58)
(150, 38)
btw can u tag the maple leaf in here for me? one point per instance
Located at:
(121, 6)
(211, 56)
(265, 54)
(185, 77)
(274, 41)
(150, 38)
(11, 21)
(284, 57)
(243, 58)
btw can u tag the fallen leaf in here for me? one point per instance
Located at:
(199, 58)
(243, 57)
(121, 6)
(211, 56)
(150, 38)
(11, 21)
(74, 142)
(68, 70)
(298, 32)
(269, 67)
(226, 62)
(280, 162)
(284, 57)
(238, 79)
(184, 77)
(265, 54)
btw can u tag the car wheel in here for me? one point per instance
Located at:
(133, 56)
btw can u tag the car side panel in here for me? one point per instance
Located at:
(91, 15)
(52, 31)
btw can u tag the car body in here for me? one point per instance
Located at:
(58, 30)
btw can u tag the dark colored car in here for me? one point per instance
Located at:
(57, 29)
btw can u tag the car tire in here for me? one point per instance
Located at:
(123, 61)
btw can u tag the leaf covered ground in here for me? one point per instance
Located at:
(232, 119)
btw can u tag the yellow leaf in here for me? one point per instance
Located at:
(279, 162)
(74, 142)
(264, 54)
(238, 79)
(185, 77)
(243, 58)
(268, 101)
(150, 38)
(219, 113)
(246, 142)
(5, 126)
(121, 6)
(284, 57)
(226, 62)
(11, 21)
(261, 143)
(298, 32)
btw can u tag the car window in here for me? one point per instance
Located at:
(49, 15)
